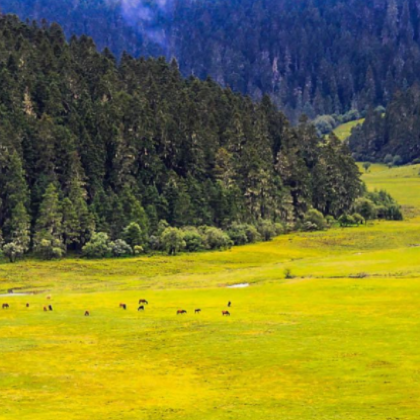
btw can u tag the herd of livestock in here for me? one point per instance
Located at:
(142, 303)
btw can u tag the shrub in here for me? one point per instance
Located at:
(314, 220)
(154, 243)
(98, 247)
(120, 248)
(359, 219)
(237, 233)
(50, 249)
(133, 235)
(267, 230)
(366, 208)
(13, 251)
(193, 240)
(137, 250)
(172, 240)
(346, 220)
(215, 238)
(330, 220)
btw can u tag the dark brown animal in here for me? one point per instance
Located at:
(227, 313)
(123, 305)
(5, 306)
(197, 311)
(141, 308)
(50, 308)
(143, 301)
(181, 311)
(229, 304)
(27, 305)
(87, 313)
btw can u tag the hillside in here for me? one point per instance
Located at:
(393, 137)
(318, 57)
(89, 144)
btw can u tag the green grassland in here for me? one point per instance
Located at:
(336, 341)
(343, 131)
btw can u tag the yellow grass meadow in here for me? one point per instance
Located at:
(338, 340)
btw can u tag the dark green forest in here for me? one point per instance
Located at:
(311, 56)
(393, 136)
(127, 148)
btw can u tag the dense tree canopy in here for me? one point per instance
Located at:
(393, 136)
(89, 144)
(312, 56)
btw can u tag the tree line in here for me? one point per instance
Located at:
(91, 145)
(390, 136)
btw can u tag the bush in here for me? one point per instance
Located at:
(172, 240)
(267, 230)
(325, 124)
(330, 220)
(13, 251)
(359, 219)
(50, 249)
(133, 235)
(346, 220)
(193, 240)
(215, 238)
(366, 208)
(98, 247)
(154, 243)
(237, 233)
(137, 250)
(314, 220)
(120, 248)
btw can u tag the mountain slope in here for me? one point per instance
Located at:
(91, 144)
(317, 57)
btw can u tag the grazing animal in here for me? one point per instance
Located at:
(48, 297)
(50, 308)
(5, 306)
(143, 301)
(27, 305)
(87, 313)
(45, 309)
(197, 311)
(229, 304)
(181, 311)
(227, 313)
(141, 308)
(123, 305)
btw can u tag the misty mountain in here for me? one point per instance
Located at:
(312, 56)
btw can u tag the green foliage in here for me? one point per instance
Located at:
(194, 241)
(267, 230)
(172, 240)
(314, 220)
(308, 55)
(99, 246)
(133, 235)
(366, 208)
(359, 219)
(92, 144)
(215, 238)
(48, 239)
(346, 220)
(13, 251)
(120, 248)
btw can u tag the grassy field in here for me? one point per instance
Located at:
(337, 341)
(402, 182)
(343, 131)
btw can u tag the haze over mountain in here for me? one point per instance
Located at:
(312, 56)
